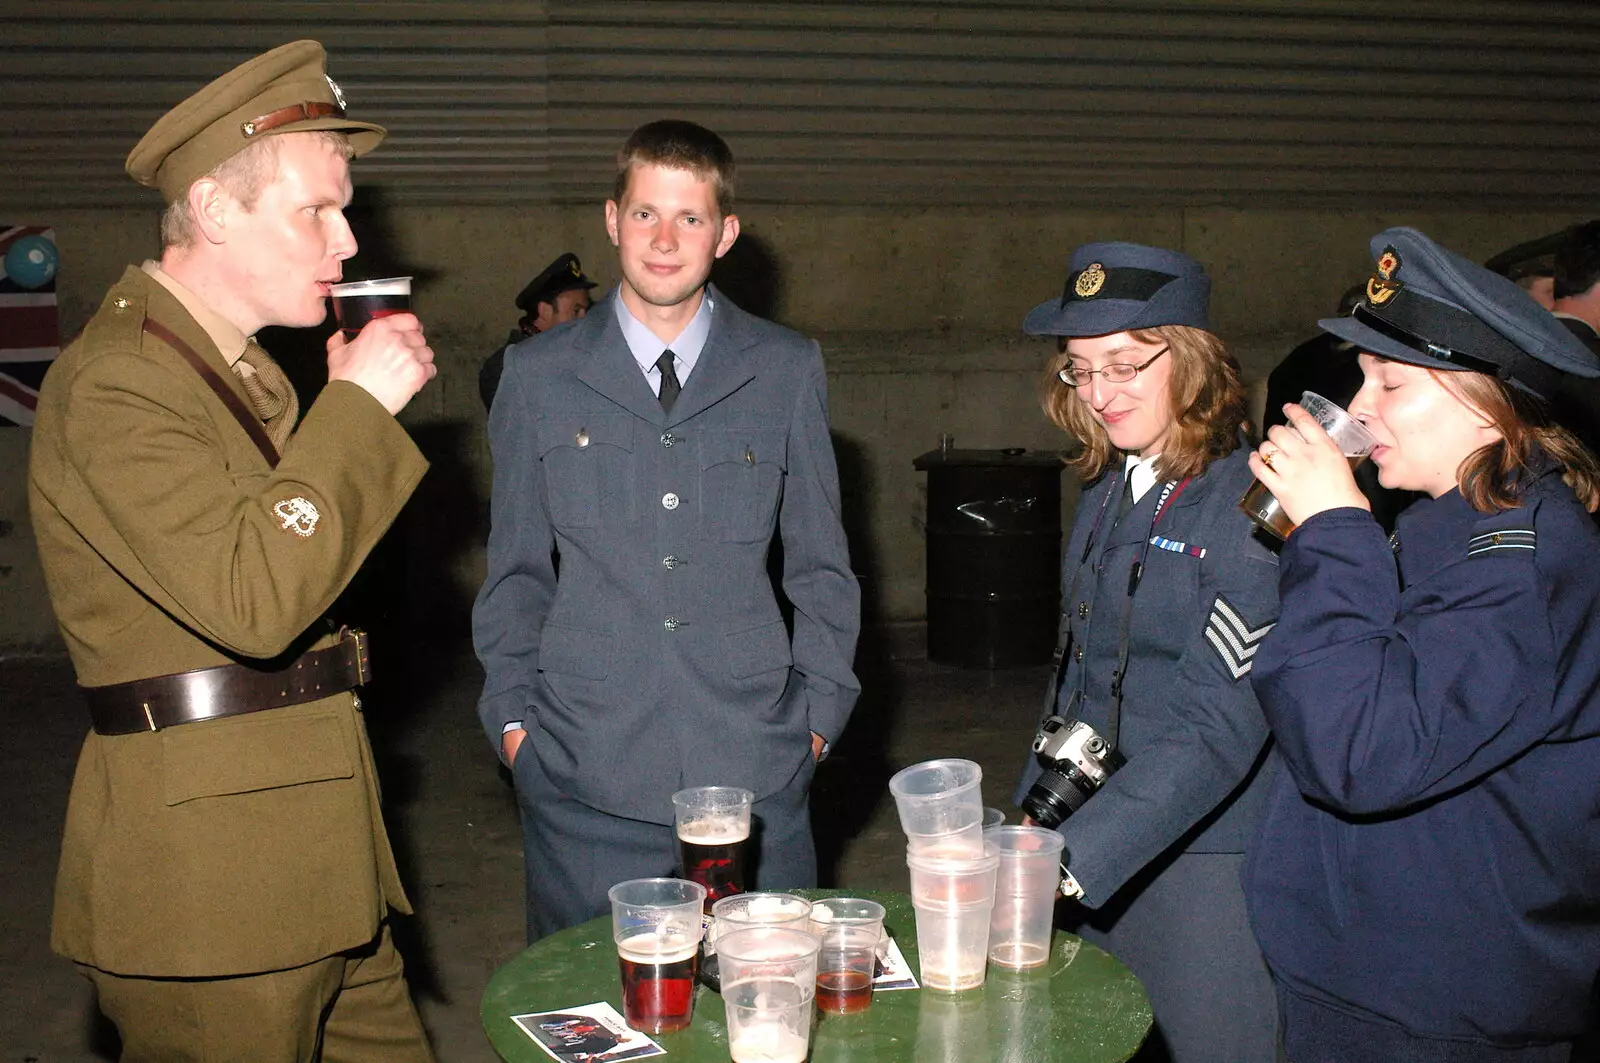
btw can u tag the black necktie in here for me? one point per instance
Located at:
(669, 381)
(1126, 505)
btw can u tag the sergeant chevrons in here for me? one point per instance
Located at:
(1429, 866)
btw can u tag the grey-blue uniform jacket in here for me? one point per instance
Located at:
(1193, 735)
(658, 658)
(1427, 883)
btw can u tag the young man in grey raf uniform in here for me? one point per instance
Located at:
(225, 878)
(661, 447)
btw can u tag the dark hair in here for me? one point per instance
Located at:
(1493, 477)
(678, 145)
(1577, 266)
(1207, 405)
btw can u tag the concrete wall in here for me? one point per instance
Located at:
(917, 311)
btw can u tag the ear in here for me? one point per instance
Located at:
(210, 206)
(730, 233)
(611, 221)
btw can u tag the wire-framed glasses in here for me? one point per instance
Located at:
(1116, 373)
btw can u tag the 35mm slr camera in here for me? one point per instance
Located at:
(1076, 762)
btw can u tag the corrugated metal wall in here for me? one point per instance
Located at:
(1336, 103)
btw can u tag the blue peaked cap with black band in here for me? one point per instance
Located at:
(1115, 287)
(1430, 307)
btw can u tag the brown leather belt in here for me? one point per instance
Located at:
(228, 689)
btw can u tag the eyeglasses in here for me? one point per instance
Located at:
(1118, 373)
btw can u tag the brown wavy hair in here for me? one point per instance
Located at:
(1208, 405)
(1495, 477)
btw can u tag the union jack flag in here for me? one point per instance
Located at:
(29, 331)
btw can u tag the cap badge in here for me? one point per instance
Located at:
(338, 94)
(1090, 281)
(577, 270)
(297, 515)
(1381, 286)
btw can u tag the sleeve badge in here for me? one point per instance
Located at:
(1233, 637)
(297, 515)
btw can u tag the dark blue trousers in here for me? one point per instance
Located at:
(572, 853)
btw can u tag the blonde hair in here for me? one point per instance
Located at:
(678, 145)
(244, 175)
(1492, 478)
(1208, 405)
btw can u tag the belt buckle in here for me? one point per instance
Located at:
(363, 661)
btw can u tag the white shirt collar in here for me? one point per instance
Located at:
(646, 347)
(1141, 473)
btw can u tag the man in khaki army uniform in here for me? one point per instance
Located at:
(225, 876)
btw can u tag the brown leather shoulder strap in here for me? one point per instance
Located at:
(246, 418)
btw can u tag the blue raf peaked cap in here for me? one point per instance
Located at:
(1431, 307)
(1116, 287)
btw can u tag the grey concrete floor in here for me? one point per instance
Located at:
(454, 823)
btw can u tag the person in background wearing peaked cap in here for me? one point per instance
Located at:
(557, 295)
(1426, 884)
(1166, 592)
(225, 878)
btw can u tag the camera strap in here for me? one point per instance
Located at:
(1169, 491)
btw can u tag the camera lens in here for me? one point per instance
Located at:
(1055, 795)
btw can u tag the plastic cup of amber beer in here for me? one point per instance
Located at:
(850, 931)
(657, 925)
(1261, 506)
(713, 825)
(358, 302)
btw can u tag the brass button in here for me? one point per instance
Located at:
(120, 303)
(668, 439)
(1077, 655)
(582, 438)
(670, 562)
(669, 501)
(672, 623)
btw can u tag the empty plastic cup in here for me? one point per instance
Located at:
(769, 982)
(953, 880)
(940, 799)
(1024, 894)
(952, 945)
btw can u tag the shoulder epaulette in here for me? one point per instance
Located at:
(1502, 539)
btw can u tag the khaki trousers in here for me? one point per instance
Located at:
(350, 1008)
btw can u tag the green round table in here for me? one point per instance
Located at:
(1083, 1006)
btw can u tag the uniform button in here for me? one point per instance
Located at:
(669, 501)
(1077, 655)
(670, 562)
(667, 439)
(672, 623)
(1083, 610)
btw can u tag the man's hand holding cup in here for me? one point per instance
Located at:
(389, 357)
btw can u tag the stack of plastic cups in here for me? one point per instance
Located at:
(769, 982)
(1025, 894)
(952, 869)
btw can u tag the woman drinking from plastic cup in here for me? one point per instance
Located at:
(1166, 594)
(1426, 883)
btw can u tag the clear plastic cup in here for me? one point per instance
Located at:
(966, 842)
(769, 982)
(949, 881)
(1024, 895)
(992, 817)
(657, 925)
(952, 945)
(713, 825)
(846, 961)
(939, 797)
(846, 911)
(1355, 443)
(745, 910)
(355, 303)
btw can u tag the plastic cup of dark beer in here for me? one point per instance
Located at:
(657, 926)
(713, 824)
(358, 302)
(1262, 507)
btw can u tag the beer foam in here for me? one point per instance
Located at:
(714, 831)
(658, 948)
(382, 286)
(767, 1042)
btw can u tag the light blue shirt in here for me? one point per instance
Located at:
(647, 346)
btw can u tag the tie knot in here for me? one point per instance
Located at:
(664, 363)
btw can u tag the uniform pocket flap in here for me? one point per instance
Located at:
(573, 651)
(581, 431)
(758, 649)
(743, 446)
(261, 751)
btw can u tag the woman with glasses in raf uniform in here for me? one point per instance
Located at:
(1166, 594)
(1427, 881)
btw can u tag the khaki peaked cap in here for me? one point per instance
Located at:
(287, 90)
